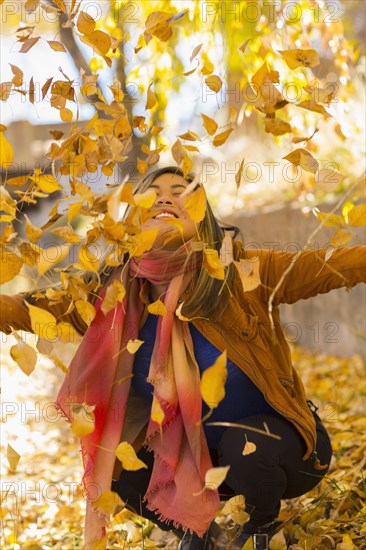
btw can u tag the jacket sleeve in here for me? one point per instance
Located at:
(310, 274)
(15, 314)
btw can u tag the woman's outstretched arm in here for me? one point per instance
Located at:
(311, 274)
(14, 313)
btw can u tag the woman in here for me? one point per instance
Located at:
(204, 317)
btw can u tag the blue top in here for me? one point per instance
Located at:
(242, 397)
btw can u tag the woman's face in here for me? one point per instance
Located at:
(168, 188)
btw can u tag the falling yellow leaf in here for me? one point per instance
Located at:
(221, 138)
(278, 542)
(214, 82)
(304, 159)
(114, 294)
(151, 100)
(66, 233)
(85, 23)
(43, 322)
(157, 308)
(157, 413)
(126, 454)
(66, 333)
(88, 260)
(186, 165)
(190, 136)
(56, 46)
(212, 264)
(178, 313)
(209, 124)
(9, 267)
(300, 58)
(12, 457)
(134, 345)
(357, 215)
(196, 205)
(46, 182)
(340, 237)
(85, 310)
(331, 221)
(213, 382)
(146, 199)
(50, 256)
(6, 152)
(138, 244)
(66, 114)
(32, 231)
(276, 126)
(108, 501)
(83, 419)
(249, 273)
(215, 476)
(25, 356)
(249, 447)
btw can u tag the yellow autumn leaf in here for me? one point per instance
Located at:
(304, 159)
(108, 501)
(278, 542)
(43, 322)
(85, 310)
(221, 138)
(9, 267)
(146, 199)
(249, 447)
(234, 507)
(25, 356)
(357, 215)
(66, 114)
(151, 100)
(215, 476)
(12, 457)
(83, 419)
(157, 308)
(67, 333)
(142, 166)
(157, 413)
(249, 273)
(178, 313)
(332, 220)
(88, 260)
(190, 136)
(74, 210)
(213, 382)
(46, 182)
(134, 345)
(340, 237)
(114, 294)
(6, 152)
(214, 82)
(209, 124)
(100, 544)
(50, 256)
(85, 23)
(126, 454)
(186, 165)
(66, 233)
(32, 231)
(138, 244)
(300, 58)
(276, 126)
(196, 205)
(212, 264)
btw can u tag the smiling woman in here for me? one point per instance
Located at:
(182, 332)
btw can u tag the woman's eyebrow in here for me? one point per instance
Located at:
(174, 186)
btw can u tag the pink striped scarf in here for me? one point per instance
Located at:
(181, 456)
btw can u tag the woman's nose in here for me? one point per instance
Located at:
(164, 199)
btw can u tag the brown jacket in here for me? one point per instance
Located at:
(245, 330)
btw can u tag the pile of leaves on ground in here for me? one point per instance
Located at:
(43, 504)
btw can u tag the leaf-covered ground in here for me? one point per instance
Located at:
(43, 505)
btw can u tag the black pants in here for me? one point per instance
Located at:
(273, 472)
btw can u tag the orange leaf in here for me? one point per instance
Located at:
(209, 124)
(221, 138)
(85, 23)
(56, 46)
(214, 82)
